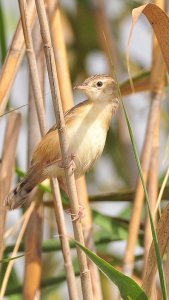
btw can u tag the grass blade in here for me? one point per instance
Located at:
(154, 234)
(128, 288)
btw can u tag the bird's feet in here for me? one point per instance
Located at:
(69, 162)
(80, 214)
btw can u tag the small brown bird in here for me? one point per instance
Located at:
(87, 125)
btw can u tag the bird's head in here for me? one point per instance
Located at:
(99, 88)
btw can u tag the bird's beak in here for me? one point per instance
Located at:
(79, 87)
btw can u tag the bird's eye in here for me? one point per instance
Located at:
(99, 83)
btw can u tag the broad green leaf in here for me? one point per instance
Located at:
(128, 288)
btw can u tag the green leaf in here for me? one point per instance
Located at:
(114, 227)
(128, 288)
(153, 230)
(3, 46)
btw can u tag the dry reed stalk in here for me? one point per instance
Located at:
(153, 120)
(139, 195)
(160, 195)
(104, 31)
(61, 61)
(67, 102)
(6, 167)
(167, 270)
(13, 59)
(73, 294)
(157, 91)
(15, 251)
(157, 86)
(32, 67)
(34, 231)
(108, 45)
(163, 240)
(40, 108)
(13, 229)
(53, 79)
(60, 55)
(33, 239)
(153, 194)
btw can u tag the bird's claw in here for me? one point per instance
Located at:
(69, 162)
(77, 216)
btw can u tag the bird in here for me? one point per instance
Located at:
(87, 124)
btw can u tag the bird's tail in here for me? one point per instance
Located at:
(20, 194)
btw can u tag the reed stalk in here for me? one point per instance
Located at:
(42, 123)
(103, 30)
(34, 231)
(163, 238)
(157, 92)
(53, 79)
(139, 194)
(6, 167)
(67, 102)
(167, 269)
(33, 67)
(33, 259)
(14, 58)
(15, 251)
(157, 86)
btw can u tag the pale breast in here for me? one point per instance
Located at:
(88, 137)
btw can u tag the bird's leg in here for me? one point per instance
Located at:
(77, 216)
(69, 162)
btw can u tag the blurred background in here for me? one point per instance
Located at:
(116, 169)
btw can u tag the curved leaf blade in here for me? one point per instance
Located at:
(128, 288)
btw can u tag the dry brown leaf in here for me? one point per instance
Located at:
(160, 24)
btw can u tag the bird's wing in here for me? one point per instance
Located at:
(48, 150)
(72, 113)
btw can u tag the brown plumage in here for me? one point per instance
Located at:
(87, 125)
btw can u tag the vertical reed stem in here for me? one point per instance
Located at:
(6, 167)
(157, 85)
(67, 102)
(42, 123)
(14, 58)
(53, 79)
(34, 231)
(15, 250)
